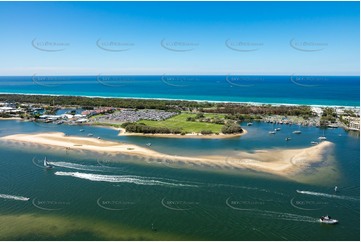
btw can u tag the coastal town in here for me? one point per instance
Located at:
(330, 117)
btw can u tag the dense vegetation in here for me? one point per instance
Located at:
(328, 116)
(231, 128)
(87, 102)
(234, 109)
(145, 129)
(169, 105)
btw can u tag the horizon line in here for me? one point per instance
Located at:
(169, 74)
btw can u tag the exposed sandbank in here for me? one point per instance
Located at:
(282, 162)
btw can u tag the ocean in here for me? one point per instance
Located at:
(90, 196)
(294, 89)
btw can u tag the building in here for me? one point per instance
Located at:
(354, 122)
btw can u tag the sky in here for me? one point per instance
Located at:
(186, 38)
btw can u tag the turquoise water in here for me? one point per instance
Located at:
(97, 196)
(295, 89)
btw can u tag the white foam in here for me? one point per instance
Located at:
(80, 166)
(12, 197)
(149, 181)
(327, 195)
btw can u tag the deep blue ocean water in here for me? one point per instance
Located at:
(295, 89)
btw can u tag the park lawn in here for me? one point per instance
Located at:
(180, 121)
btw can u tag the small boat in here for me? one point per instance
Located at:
(288, 138)
(46, 164)
(90, 134)
(81, 130)
(249, 124)
(332, 126)
(148, 144)
(296, 132)
(98, 137)
(328, 220)
(323, 137)
(314, 142)
(272, 132)
(277, 129)
(336, 188)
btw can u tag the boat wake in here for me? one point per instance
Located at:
(274, 214)
(328, 195)
(288, 216)
(12, 197)
(148, 181)
(81, 167)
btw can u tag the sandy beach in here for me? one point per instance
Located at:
(282, 162)
(12, 118)
(122, 132)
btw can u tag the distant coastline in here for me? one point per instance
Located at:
(179, 99)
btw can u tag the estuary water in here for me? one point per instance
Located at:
(89, 196)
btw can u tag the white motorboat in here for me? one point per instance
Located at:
(46, 164)
(328, 220)
(249, 124)
(297, 132)
(272, 132)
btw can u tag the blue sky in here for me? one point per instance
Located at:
(261, 38)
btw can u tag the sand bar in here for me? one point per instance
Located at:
(282, 162)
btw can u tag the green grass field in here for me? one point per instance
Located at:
(180, 121)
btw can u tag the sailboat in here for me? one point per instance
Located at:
(46, 164)
(273, 131)
(323, 137)
(297, 131)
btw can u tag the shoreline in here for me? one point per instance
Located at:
(189, 100)
(280, 162)
(11, 118)
(192, 135)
